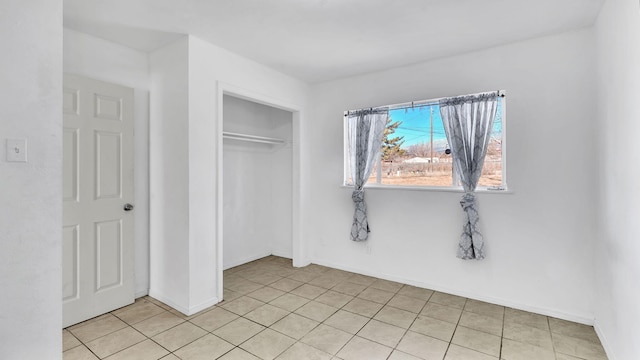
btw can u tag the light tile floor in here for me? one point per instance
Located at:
(275, 311)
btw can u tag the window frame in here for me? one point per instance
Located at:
(452, 188)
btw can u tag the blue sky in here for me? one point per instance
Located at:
(415, 125)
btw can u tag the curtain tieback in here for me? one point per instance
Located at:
(468, 200)
(360, 229)
(357, 196)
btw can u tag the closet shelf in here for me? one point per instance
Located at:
(252, 138)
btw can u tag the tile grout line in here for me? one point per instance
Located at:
(410, 325)
(172, 327)
(128, 347)
(370, 319)
(269, 268)
(553, 344)
(456, 328)
(289, 312)
(504, 315)
(85, 344)
(319, 322)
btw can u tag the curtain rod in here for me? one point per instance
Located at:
(420, 103)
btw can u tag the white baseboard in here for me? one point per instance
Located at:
(520, 306)
(202, 306)
(603, 340)
(284, 254)
(166, 300)
(245, 260)
(287, 255)
(141, 293)
(187, 311)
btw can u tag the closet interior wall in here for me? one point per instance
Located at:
(257, 182)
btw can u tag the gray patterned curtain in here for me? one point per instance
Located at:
(365, 133)
(467, 123)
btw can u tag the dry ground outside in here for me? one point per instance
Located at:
(438, 174)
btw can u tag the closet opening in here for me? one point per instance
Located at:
(258, 181)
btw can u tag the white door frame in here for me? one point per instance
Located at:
(297, 246)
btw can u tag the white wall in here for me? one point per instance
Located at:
(539, 238)
(103, 60)
(31, 193)
(257, 183)
(168, 171)
(282, 188)
(617, 267)
(184, 155)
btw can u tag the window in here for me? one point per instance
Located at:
(415, 152)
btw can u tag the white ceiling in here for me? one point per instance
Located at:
(319, 40)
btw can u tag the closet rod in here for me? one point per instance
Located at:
(252, 138)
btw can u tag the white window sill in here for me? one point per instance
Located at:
(429, 188)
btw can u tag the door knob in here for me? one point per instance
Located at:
(128, 207)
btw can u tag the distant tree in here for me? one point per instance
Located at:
(422, 149)
(494, 148)
(392, 146)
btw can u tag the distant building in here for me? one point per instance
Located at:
(422, 160)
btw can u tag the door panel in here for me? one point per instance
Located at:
(108, 108)
(108, 165)
(70, 166)
(98, 182)
(70, 101)
(108, 254)
(70, 246)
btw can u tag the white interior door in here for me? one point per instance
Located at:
(98, 185)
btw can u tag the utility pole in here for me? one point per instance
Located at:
(431, 127)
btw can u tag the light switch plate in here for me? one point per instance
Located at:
(17, 150)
